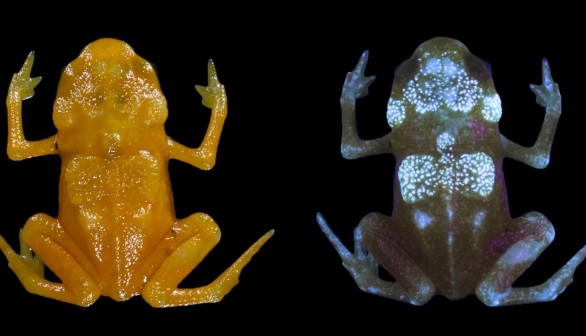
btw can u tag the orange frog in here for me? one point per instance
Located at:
(116, 233)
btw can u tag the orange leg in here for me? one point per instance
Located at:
(194, 237)
(44, 235)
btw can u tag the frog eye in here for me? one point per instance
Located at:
(479, 69)
(488, 67)
(153, 67)
(407, 69)
(63, 69)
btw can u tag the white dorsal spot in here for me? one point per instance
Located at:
(421, 219)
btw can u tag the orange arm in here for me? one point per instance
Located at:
(21, 88)
(213, 97)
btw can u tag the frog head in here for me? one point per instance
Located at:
(109, 82)
(443, 88)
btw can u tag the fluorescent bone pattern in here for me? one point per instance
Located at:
(491, 110)
(450, 232)
(442, 82)
(421, 175)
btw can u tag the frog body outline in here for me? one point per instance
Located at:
(116, 233)
(450, 232)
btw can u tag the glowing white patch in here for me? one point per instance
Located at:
(520, 253)
(421, 219)
(442, 82)
(450, 68)
(445, 142)
(395, 112)
(422, 176)
(417, 177)
(492, 109)
(447, 172)
(540, 161)
(424, 290)
(477, 173)
(433, 66)
(479, 219)
(495, 298)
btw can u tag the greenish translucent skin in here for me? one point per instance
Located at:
(450, 233)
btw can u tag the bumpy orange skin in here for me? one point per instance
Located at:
(116, 233)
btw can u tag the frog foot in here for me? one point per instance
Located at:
(360, 264)
(26, 260)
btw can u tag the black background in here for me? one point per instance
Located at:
(279, 162)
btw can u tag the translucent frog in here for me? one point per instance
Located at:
(450, 232)
(116, 233)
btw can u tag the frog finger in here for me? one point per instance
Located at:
(22, 85)
(356, 81)
(547, 79)
(338, 245)
(361, 66)
(214, 91)
(28, 65)
(547, 94)
(213, 81)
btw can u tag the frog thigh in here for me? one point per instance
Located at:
(45, 236)
(189, 242)
(531, 234)
(411, 285)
